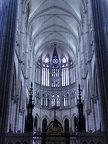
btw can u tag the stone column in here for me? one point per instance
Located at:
(7, 38)
(99, 11)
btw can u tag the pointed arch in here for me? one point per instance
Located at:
(45, 70)
(44, 125)
(66, 116)
(66, 125)
(75, 123)
(47, 59)
(45, 117)
(36, 122)
(55, 69)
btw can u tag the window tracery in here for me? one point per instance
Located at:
(65, 71)
(55, 100)
(45, 101)
(66, 101)
(45, 71)
(56, 71)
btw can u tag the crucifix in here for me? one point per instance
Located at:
(55, 107)
(55, 122)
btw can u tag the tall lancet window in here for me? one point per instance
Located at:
(38, 70)
(55, 73)
(55, 101)
(72, 71)
(65, 72)
(45, 71)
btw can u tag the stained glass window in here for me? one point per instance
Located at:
(45, 72)
(55, 70)
(55, 101)
(65, 72)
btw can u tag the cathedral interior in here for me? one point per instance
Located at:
(53, 71)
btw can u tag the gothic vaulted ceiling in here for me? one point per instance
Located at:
(55, 22)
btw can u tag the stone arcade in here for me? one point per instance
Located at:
(56, 45)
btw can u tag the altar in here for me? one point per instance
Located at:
(55, 134)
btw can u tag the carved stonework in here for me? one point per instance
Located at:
(29, 118)
(55, 127)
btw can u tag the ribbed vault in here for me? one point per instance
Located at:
(55, 22)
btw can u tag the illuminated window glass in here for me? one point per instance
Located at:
(55, 73)
(45, 72)
(55, 101)
(65, 71)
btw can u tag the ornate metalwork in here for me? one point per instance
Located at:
(81, 118)
(29, 118)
